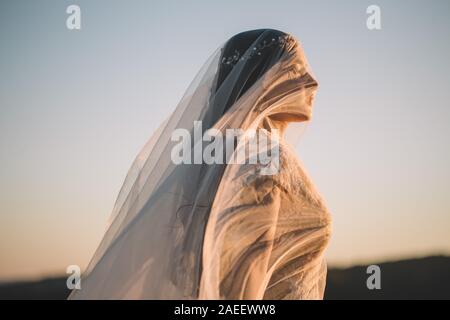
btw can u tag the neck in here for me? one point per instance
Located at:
(270, 124)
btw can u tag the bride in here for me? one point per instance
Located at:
(221, 230)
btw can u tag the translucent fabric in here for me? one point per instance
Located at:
(220, 231)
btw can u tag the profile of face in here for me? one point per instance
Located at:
(296, 76)
(299, 81)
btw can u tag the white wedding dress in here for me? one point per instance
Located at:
(221, 231)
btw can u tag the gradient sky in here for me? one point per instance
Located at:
(77, 106)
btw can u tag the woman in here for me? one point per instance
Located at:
(221, 231)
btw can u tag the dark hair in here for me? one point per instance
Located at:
(257, 51)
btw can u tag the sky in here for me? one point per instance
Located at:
(76, 106)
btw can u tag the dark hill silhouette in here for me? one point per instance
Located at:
(425, 278)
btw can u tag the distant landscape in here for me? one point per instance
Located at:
(425, 278)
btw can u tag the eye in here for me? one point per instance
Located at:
(297, 67)
(293, 72)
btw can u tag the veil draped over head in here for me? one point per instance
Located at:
(171, 221)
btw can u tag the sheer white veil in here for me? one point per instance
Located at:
(153, 246)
